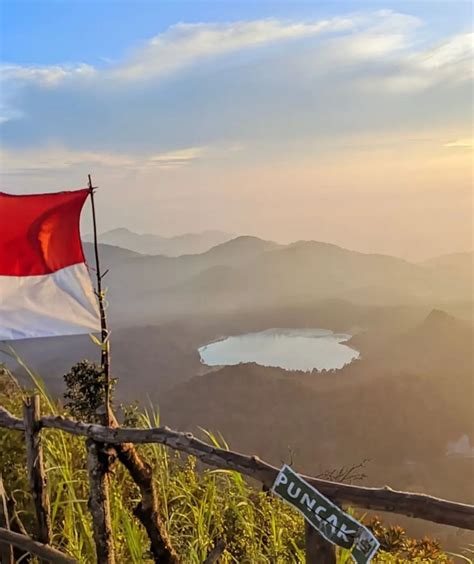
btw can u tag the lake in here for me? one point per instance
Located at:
(291, 349)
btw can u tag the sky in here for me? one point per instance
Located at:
(344, 121)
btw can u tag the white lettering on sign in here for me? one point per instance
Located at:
(326, 517)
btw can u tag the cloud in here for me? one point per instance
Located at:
(56, 159)
(173, 159)
(448, 62)
(457, 50)
(184, 44)
(179, 46)
(266, 84)
(46, 76)
(460, 143)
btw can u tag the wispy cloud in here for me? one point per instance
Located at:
(467, 143)
(184, 44)
(55, 159)
(46, 76)
(449, 61)
(174, 159)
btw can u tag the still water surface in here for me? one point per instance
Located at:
(291, 349)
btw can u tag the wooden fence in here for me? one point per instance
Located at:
(122, 440)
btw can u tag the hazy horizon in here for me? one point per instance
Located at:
(88, 237)
(343, 123)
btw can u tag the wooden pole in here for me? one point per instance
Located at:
(318, 549)
(99, 503)
(35, 468)
(6, 550)
(97, 461)
(140, 471)
(105, 349)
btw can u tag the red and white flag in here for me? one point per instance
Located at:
(45, 289)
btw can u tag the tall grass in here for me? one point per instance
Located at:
(202, 506)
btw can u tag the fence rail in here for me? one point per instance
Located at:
(410, 504)
(36, 548)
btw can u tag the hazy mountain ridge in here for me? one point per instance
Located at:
(151, 244)
(108, 254)
(461, 259)
(248, 272)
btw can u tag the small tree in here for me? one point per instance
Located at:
(85, 394)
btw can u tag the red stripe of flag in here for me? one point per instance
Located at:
(39, 234)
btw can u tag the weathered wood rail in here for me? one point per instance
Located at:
(379, 499)
(43, 551)
(410, 504)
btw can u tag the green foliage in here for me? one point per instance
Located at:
(394, 540)
(199, 506)
(85, 395)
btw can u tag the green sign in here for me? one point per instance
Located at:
(327, 518)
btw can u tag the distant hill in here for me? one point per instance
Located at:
(241, 249)
(453, 260)
(247, 273)
(147, 360)
(108, 254)
(440, 345)
(150, 244)
(456, 266)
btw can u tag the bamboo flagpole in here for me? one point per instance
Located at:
(105, 342)
(97, 465)
(140, 471)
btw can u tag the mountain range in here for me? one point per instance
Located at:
(151, 244)
(247, 273)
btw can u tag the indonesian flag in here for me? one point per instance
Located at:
(45, 289)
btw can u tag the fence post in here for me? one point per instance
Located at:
(6, 550)
(35, 467)
(318, 549)
(147, 510)
(99, 503)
